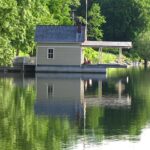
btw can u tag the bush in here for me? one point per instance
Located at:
(93, 56)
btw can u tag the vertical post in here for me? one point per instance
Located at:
(100, 55)
(82, 56)
(119, 90)
(81, 91)
(23, 69)
(36, 59)
(120, 55)
(86, 7)
(100, 90)
(73, 17)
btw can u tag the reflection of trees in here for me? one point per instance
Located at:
(21, 129)
(123, 121)
(16, 118)
(94, 116)
(139, 86)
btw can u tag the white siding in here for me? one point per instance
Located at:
(62, 89)
(65, 54)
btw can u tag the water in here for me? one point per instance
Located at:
(75, 112)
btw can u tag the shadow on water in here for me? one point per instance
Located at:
(61, 111)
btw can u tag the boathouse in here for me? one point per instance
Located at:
(59, 45)
(59, 49)
(54, 99)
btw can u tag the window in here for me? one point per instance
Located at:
(50, 53)
(50, 91)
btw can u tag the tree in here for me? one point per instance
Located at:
(95, 21)
(19, 18)
(29, 13)
(124, 19)
(142, 46)
(7, 23)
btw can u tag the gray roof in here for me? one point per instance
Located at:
(103, 44)
(49, 34)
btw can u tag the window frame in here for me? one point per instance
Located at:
(50, 90)
(50, 53)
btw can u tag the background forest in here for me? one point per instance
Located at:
(121, 20)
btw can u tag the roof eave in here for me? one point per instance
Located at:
(107, 44)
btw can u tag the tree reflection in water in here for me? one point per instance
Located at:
(98, 118)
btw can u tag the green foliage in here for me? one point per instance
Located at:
(119, 20)
(6, 52)
(19, 18)
(124, 19)
(93, 56)
(95, 21)
(142, 45)
(61, 10)
(108, 57)
(21, 128)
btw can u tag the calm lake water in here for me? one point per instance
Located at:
(75, 112)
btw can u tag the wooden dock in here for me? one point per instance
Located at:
(25, 68)
(70, 69)
(91, 68)
(32, 68)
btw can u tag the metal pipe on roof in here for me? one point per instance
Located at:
(86, 9)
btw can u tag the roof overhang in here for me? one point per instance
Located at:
(104, 44)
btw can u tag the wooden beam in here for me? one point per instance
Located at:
(120, 55)
(107, 44)
(100, 55)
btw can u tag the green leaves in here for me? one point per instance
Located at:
(6, 52)
(142, 45)
(124, 19)
(19, 18)
(95, 21)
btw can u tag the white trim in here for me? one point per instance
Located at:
(107, 44)
(36, 80)
(48, 53)
(81, 56)
(60, 46)
(36, 55)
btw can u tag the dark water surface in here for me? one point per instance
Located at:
(75, 112)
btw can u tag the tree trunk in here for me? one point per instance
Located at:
(17, 52)
(145, 63)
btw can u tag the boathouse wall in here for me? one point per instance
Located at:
(61, 54)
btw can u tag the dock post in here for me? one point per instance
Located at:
(23, 69)
(120, 55)
(100, 88)
(119, 90)
(100, 55)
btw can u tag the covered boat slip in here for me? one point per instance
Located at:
(104, 44)
(108, 44)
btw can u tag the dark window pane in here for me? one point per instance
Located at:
(50, 53)
(50, 50)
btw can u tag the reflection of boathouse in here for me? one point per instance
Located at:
(69, 96)
(105, 99)
(58, 96)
